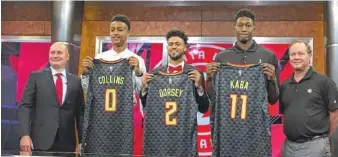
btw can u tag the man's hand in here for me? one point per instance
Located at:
(269, 71)
(196, 77)
(26, 144)
(133, 61)
(87, 64)
(78, 149)
(211, 69)
(146, 78)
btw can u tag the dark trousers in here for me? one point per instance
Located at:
(57, 149)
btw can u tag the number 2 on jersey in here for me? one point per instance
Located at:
(110, 100)
(244, 105)
(171, 108)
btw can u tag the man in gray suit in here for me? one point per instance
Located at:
(52, 99)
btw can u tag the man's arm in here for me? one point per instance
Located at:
(333, 121)
(281, 104)
(210, 90)
(85, 82)
(209, 82)
(138, 82)
(26, 106)
(138, 79)
(80, 112)
(202, 98)
(144, 90)
(143, 97)
(87, 64)
(330, 94)
(273, 85)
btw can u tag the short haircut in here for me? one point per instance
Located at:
(122, 18)
(308, 46)
(177, 33)
(65, 44)
(245, 13)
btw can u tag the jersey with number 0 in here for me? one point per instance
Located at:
(170, 116)
(108, 119)
(241, 121)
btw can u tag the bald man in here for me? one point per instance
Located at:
(52, 99)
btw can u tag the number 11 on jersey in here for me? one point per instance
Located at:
(244, 105)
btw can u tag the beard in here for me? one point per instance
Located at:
(177, 57)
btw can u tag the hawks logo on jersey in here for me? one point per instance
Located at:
(170, 121)
(108, 119)
(241, 119)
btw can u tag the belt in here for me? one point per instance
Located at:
(307, 139)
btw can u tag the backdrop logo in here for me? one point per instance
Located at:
(199, 55)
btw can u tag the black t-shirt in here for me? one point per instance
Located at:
(306, 105)
(256, 54)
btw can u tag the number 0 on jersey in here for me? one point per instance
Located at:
(110, 100)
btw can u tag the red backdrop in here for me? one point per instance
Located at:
(33, 56)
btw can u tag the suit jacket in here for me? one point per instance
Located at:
(203, 101)
(40, 115)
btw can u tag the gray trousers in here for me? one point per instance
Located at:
(319, 147)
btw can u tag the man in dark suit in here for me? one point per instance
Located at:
(52, 99)
(177, 46)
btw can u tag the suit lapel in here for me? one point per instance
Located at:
(50, 83)
(165, 68)
(185, 66)
(69, 82)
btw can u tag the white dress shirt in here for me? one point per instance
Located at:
(112, 55)
(64, 81)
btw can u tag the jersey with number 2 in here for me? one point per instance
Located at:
(170, 116)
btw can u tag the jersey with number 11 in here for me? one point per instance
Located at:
(108, 119)
(170, 116)
(241, 120)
